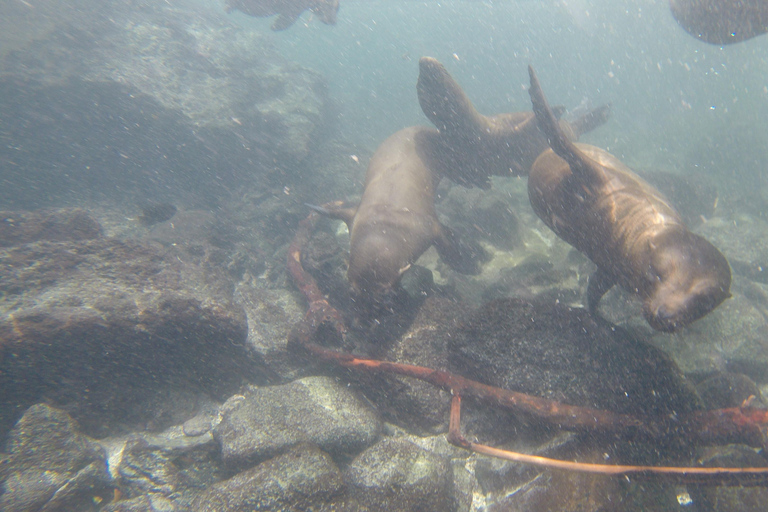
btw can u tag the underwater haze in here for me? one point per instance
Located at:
(216, 236)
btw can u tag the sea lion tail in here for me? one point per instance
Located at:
(285, 20)
(558, 140)
(591, 120)
(443, 101)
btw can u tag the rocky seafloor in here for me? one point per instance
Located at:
(145, 365)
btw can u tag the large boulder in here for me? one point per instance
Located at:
(115, 332)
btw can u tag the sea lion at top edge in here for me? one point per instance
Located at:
(395, 222)
(627, 228)
(289, 10)
(480, 146)
(721, 21)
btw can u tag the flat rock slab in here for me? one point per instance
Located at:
(265, 421)
(103, 327)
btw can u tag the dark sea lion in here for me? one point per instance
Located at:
(480, 146)
(155, 213)
(626, 227)
(722, 21)
(395, 221)
(289, 10)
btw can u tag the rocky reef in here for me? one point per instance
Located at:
(140, 98)
(145, 362)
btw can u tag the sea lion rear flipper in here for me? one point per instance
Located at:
(336, 210)
(599, 284)
(591, 120)
(443, 101)
(462, 256)
(580, 165)
(285, 20)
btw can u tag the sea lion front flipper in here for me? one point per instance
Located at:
(581, 166)
(591, 120)
(599, 284)
(336, 210)
(285, 20)
(443, 100)
(462, 256)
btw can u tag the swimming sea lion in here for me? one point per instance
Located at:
(627, 228)
(722, 21)
(396, 222)
(289, 10)
(480, 146)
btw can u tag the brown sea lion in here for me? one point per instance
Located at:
(396, 222)
(480, 146)
(722, 21)
(289, 10)
(626, 227)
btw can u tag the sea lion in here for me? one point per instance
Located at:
(396, 222)
(627, 228)
(721, 21)
(289, 10)
(481, 146)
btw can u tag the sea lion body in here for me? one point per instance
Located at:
(590, 199)
(396, 222)
(480, 146)
(288, 10)
(721, 21)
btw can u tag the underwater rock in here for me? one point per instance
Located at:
(744, 241)
(116, 332)
(731, 339)
(54, 225)
(51, 466)
(168, 471)
(411, 403)
(135, 98)
(726, 389)
(487, 214)
(264, 421)
(272, 313)
(395, 475)
(303, 478)
(730, 498)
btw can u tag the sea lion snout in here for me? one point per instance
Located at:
(693, 278)
(672, 309)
